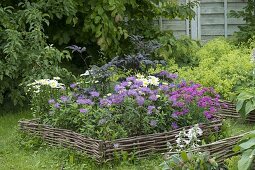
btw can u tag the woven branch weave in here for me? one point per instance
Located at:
(231, 112)
(139, 146)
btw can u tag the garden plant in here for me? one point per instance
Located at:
(104, 72)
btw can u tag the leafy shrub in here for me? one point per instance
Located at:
(104, 25)
(245, 102)
(247, 147)
(232, 163)
(25, 55)
(182, 50)
(138, 105)
(190, 161)
(246, 31)
(222, 66)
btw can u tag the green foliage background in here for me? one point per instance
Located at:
(28, 27)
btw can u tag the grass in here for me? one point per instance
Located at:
(19, 152)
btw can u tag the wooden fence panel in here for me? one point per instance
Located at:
(212, 20)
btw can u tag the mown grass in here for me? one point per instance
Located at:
(21, 152)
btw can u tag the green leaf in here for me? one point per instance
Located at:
(245, 96)
(236, 148)
(100, 10)
(69, 20)
(184, 156)
(246, 160)
(248, 107)
(97, 19)
(248, 144)
(239, 105)
(75, 21)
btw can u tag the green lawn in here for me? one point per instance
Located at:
(26, 154)
(30, 154)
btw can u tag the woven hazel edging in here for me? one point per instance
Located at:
(100, 150)
(221, 150)
(231, 112)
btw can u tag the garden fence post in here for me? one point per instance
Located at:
(187, 23)
(195, 24)
(226, 18)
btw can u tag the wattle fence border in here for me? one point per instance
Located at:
(101, 151)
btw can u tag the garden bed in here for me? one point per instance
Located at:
(231, 112)
(100, 150)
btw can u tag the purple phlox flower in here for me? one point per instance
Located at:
(173, 98)
(116, 145)
(51, 101)
(94, 94)
(73, 85)
(174, 125)
(124, 84)
(172, 76)
(118, 88)
(154, 92)
(81, 96)
(146, 90)
(101, 121)
(216, 128)
(182, 84)
(131, 78)
(132, 92)
(153, 123)
(123, 92)
(163, 73)
(207, 114)
(185, 111)
(153, 98)
(84, 101)
(217, 96)
(105, 102)
(224, 105)
(64, 98)
(138, 83)
(116, 98)
(171, 85)
(202, 104)
(57, 105)
(188, 98)
(151, 109)
(140, 100)
(175, 114)
(164, 88)
(134, 86)
(83, 110)
(205, 101)
(178, 104)
(213, 110)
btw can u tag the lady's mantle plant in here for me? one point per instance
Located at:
(138, 105)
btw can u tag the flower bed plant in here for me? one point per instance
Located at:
(155, 106)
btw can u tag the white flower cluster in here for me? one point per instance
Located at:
(36, 85)
(189, 139)
(150, 80)
(87, 73)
